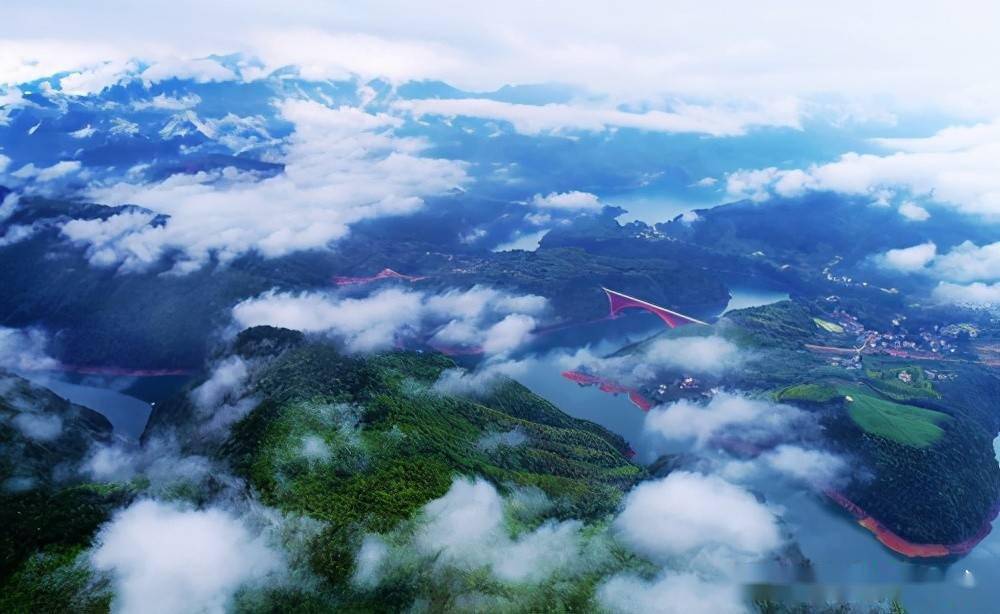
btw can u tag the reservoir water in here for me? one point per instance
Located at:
(125, 401)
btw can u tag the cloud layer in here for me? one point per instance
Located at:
(164, 558)
(483, 318)
(685, 513)
(957, 167)
(342, 165)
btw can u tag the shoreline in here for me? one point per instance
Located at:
(609, 386)
(893, 541)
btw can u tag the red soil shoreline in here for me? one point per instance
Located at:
(894, 542)
(609, 386)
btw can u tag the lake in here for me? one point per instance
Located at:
(125, 401)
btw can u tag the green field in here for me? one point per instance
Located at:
(812, 393)
(830, 327)
(905, 424)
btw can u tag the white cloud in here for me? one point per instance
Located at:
(971, 294)
(814, 467)
(48, 173)
(969, 262)
(567, 200)
(159, 460)
(909, 259)
(465, 528)
(164, 558)
(93, 79)
(228, 378)
(936, 58)
(328, 55)
(710, 354)
(369, 562)
(535, 119)
(526, 242)
(105, 239)
(19, 232)
(461, 382)
(958, 167)
(201, 70)
(685, 514)
(669, 594)
(341, 166)
(914, 212)
(508, 334)
(692, 355)
(963, 263)
(315, 449)
(494, 321)
(40, 427)
(23, 349)
(724, 413)
(366, 324)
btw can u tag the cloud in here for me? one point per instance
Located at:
(370, 561)
(495, 321)
(686, 513)
(969, 262)
(684, 118)
(567, 200)
(725, 414)
(508, 334)
(228, 378)
(710, 354)
(978, 293)
(465, 528)
(23, 349)
(341, 166)
(94, 79)
(526, 242)
(160, 460)
(647, 51)
(105, 239)
(963, 263)
(814, 467)
(670, 594)
(40, 427)
(914, 212)
(203, 70)
(48, 173)
(366, 324)
(222, 399)
(507, 439)
(486, 375)
(164, 558)
(958, 167)
(909, 259)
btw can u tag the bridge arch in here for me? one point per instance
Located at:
(619, 302)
